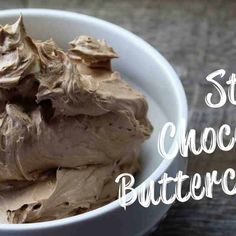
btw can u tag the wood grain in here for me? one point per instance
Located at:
(197, 37)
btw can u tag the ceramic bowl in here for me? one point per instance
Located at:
(147, 70)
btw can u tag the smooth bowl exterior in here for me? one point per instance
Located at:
(150, 72)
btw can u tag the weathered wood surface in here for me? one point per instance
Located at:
(197, 37)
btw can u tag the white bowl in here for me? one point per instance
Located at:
(146, 69)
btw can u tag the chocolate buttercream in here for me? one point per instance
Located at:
(68, 126)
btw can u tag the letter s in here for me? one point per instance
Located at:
(218, 87)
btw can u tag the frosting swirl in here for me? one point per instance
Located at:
(68, 126)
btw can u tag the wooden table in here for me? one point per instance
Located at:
(197, 37)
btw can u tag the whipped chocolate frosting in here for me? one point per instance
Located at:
(68, 126)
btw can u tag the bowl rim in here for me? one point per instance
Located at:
(159, 59)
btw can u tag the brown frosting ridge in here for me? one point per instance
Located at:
(68, 126)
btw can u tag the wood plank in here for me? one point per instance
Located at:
(197, 37)
(9, 4)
